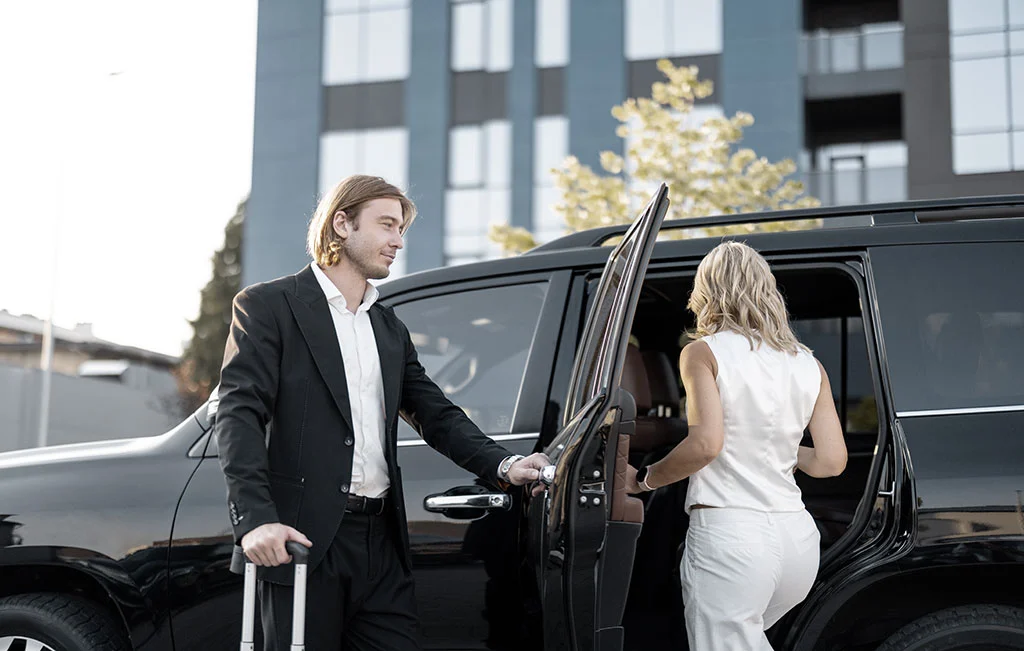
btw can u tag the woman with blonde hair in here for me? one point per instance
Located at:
(752, 389)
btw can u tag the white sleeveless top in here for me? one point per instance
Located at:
(767, 400)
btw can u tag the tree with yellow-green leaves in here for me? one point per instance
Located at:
(706, 173)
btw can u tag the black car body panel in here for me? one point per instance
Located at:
(97, 517)
(141, 527)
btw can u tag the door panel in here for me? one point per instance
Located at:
(467, 587)
(624, 508)
(476, 345)
(582, 534)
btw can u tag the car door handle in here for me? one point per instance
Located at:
(547, 475)
(441, 503)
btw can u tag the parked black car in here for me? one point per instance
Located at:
(916, 309)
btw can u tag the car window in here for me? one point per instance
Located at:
(474, 345)
(846, 361)
(953, 324)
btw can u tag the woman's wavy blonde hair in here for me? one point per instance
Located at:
(736, 290)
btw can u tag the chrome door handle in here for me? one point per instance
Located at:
(440, 503)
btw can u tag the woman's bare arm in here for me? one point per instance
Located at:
(706, 431)
(828, 456)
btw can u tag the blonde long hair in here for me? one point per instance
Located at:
(736, 290)
(350, 194)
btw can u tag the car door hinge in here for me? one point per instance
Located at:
(592, 493)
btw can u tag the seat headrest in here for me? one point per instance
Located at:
(634, 378)
(661, 378)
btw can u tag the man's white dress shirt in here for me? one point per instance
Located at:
(365, 386)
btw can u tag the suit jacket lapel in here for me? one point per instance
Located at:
(392, 363)
(313, 315)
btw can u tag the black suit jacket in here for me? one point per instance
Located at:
(284, 423)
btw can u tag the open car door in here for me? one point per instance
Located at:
(582, 530)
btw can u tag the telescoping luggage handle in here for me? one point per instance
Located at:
(300, 556)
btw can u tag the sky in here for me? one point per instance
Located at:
(125, 146)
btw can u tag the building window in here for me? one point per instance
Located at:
(481, 35)
(478, 195)
(551, 20)
(365, 40)
(987, 82)
(550, 147)
(855, 173)
(666, 28)
(380, 152)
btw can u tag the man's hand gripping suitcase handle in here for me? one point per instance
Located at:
(300, 556)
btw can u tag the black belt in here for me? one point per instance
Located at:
(368, 505)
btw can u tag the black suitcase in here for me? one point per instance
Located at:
(300, 556)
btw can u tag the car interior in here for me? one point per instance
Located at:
(825, 311)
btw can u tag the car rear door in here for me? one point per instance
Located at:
(582, 532)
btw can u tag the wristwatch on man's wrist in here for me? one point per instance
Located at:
(506, 465)
(641, 478)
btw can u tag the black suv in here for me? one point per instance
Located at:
(916, 310)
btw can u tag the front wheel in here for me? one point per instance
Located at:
(56, 622)
(963, 628)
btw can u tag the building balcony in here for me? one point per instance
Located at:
(865, 48)
(857, 186)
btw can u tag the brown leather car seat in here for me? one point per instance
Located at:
(649, 377)
(662, 378)
(634, 379)
(663, 427)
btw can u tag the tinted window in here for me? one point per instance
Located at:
(596, 341)
(849, 370)
(953, 324)
(475, 346)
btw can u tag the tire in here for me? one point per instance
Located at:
(962, 628)
(58, 622)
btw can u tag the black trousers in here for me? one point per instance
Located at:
(358, 599)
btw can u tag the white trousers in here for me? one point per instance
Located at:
(743, 570)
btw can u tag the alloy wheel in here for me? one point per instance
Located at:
(19, 643)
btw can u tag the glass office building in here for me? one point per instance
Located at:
(468, 103)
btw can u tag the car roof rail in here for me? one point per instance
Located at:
(887, 214)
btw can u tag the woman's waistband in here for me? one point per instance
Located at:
(713, 514)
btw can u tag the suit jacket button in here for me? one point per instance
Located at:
(344, 488)
(348, 440)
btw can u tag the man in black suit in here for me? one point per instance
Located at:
(315, 374)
